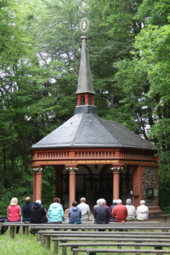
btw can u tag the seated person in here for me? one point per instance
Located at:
(38, 213)
(107, 207)
(130, 209)
(14, 212)
(142, 211)
(74, 214)
(85, 209)
(55, 212)
(119, 212)
(101, 213)
(111, 209)
(25, 211)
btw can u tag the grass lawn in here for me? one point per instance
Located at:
(28, 245)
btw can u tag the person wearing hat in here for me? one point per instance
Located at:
(14, 212)
(111, 209)
(142, 212)
(130, 209)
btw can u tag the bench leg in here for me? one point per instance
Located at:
(48, 242)
(12, 230)
(137, 248)
(158, 248)
(42, 240)
(38, 237)
(75, 252)
(26, 230)
(55, 247)
(64, 250)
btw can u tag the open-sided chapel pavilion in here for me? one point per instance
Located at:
(96, 158)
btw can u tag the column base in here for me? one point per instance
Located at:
(154, 212)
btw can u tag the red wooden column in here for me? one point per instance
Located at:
(72, 184)
(116, 180)
(72, 188)
(116, 184)
(37, 183)
(34, 186)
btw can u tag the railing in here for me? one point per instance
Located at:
(95, 154)
(127, 155)
(45, 155)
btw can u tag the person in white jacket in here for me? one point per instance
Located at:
(131, 210)
(85, 209)
(142, 212)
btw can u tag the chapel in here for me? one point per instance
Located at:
(96, 158)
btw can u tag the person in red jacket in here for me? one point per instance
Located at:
(119, 212)
(107, 207)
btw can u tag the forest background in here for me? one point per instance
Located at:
(40, 46)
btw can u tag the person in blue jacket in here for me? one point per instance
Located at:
(74, 214)
(111, 209)
(55, 212)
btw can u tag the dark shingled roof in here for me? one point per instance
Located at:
(90, 131)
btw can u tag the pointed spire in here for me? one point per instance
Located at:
(85, 84)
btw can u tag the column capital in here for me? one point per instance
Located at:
(37, 170)
(72, 169)
(114, 168)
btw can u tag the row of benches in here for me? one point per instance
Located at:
(158, 240)
(113, 240)
(111, 226)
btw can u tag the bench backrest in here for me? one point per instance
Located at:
(159, 252)
(108, 240)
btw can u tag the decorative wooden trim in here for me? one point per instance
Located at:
(127, 155)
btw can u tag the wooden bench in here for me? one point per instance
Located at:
(131, 251)
(110, 226)
(164, 217)
(46, 236)
(118, 245)
(97, 239)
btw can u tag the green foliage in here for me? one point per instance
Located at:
(48, 186)
(40, 45)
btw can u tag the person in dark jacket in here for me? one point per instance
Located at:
(38, 213)
(25, 211)
(111, 209)
(101, 213)
(74, 214)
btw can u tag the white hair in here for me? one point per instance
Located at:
(83, 199)
(119, 201)
(142, 202)
(114, 201)
(38, 201)
(97, 202)
(101, 201)
(128, 201)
